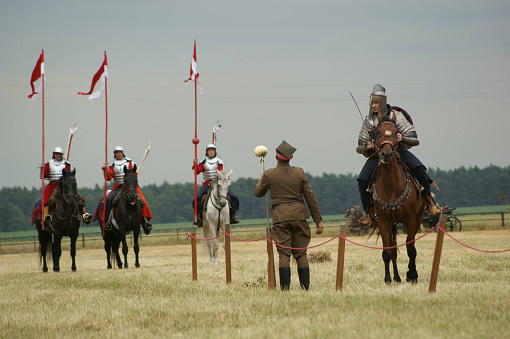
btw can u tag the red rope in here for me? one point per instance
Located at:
(216, 237)
(245, 240)
(472, 248)
(301, 248)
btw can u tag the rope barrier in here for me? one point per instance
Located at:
(352, 242)
(472, 248)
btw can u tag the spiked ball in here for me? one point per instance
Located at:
(260, 151)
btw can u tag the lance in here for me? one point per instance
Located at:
(43, 140)
(147, 150)
(105, 135)
(216, 127)
(71, 134)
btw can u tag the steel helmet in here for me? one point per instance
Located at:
(211, 146)
(58, 149)
(118, 148)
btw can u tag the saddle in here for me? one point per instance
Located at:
(409, 173)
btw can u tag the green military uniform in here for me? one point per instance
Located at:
(287, 186)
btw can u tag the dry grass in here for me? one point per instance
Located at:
(160, 300)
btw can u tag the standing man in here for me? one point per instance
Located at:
(407, 138)
(287, 186)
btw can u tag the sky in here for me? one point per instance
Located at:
(271, 71)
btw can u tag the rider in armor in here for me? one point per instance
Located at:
(52, 171)
(407, 138)
(208, 166)
(115, 171)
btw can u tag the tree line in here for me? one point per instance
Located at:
(461, 187)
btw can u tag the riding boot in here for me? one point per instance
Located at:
(368, 218)
(198, 222)
(304, 277)
(87, 218)
(146, 225)
(47, 219)
(108, 223)
(432, 207)
(284, 278)
(233, 219)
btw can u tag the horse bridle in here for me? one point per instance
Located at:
(387, 133)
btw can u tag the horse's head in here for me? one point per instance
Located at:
(131, 184)
(222, 184)
(67, 186)
(386, 140)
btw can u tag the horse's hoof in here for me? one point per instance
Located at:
(137, 265)
(109, 267)
(397, 280)
(73, 269)
(57, 270)
(45, 269)
(126, 266)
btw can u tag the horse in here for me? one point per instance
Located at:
(65, 222)
(396, 200)
(127, 215)
(216, 213)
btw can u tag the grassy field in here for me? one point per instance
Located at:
(160, 299)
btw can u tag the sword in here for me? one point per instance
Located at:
(361, 115)
(147, 150)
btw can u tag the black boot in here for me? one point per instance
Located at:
(233, 219)
(146, 225)
(285, 278)
(304, 277)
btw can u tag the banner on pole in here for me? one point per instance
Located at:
(193, 70)
(100, 76)
(36, 75)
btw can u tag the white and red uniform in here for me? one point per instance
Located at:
(52, 172)
(116, 172)
(208, 167)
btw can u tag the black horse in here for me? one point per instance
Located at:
(65, 222)
(127, 213)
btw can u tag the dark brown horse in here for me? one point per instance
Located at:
(65, 222)
(395, 201)
(128, 217)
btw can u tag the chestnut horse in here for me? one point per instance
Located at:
(127, 215)
(65, 222)
(396, 200)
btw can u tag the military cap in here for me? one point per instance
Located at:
(285, 150)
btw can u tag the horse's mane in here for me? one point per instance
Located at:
(65, 174)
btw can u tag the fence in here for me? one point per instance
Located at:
(179, 234)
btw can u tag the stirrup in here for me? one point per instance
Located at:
(198, 222)
(108, 226)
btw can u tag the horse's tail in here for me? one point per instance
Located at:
(49, 255)
(394, 232)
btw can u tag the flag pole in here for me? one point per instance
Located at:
(196, 140)
(105, 139)
(43, 143)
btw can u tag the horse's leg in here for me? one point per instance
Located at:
(56, 250)
(73, 252)
(396, 276)
(125, 250)
(136, 248)
(115, 249)
(107, 247)
(384, 230)
(412, 274)
(215, 251)
(43, 243)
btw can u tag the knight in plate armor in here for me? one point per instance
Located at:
(209, 167)
(52, 171)
(407, 138)
(115, 172)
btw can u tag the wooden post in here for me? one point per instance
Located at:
(271, 279)
(194, 254)
(227, 254)
(502, 219)
(340, 259)
(437, 254)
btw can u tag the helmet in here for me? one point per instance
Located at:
(118, 148)
(379, 91)
(58, 149)
(211, 146)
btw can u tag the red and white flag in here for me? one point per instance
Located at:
(36, 75)
(193, 70)
(101, 76)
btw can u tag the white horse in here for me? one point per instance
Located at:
(216, 213)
